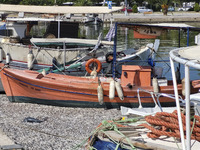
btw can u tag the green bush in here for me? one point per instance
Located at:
(196, 7)
(134, 8)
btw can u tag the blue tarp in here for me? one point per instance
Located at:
(3, 27)
(111, 33)
(104, 145)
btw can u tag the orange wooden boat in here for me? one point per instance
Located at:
(73, 91)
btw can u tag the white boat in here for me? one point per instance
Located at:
(64, 50)
(189, 57)
(43, 55)
(59, 15)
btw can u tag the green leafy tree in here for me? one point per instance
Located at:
(165, 5)
(36, 2)
(10, 1)
(134, 9)
(196, 7)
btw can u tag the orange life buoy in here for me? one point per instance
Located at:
(96, 63)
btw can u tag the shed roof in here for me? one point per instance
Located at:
(58, 9)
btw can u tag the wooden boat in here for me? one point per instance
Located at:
(42, 57)
(73, 91)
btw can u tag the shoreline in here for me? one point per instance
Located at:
(156, 17)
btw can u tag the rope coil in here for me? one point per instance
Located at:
(166, 124)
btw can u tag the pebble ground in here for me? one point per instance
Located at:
(63, 128)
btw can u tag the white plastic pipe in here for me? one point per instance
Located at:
(187, 99)
(188, 63)
(173, 54)
(177, 104)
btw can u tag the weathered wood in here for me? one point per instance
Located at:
(130, 128)
(130, 133)
(139, 142)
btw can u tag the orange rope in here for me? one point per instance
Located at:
(164, 123)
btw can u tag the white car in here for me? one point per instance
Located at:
(185, 8)
(144, 9)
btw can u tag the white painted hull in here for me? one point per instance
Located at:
(45, 56)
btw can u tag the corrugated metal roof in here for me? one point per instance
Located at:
(58, 9)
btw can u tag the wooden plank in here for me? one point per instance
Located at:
(141, 141)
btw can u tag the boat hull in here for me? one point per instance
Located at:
(82, 104)
(63, 90)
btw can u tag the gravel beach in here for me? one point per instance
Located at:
(62, 127)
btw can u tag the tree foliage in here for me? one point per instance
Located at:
(134, 9)
(37, 2)
(10, 1)
(83, 3)
(196, 7)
